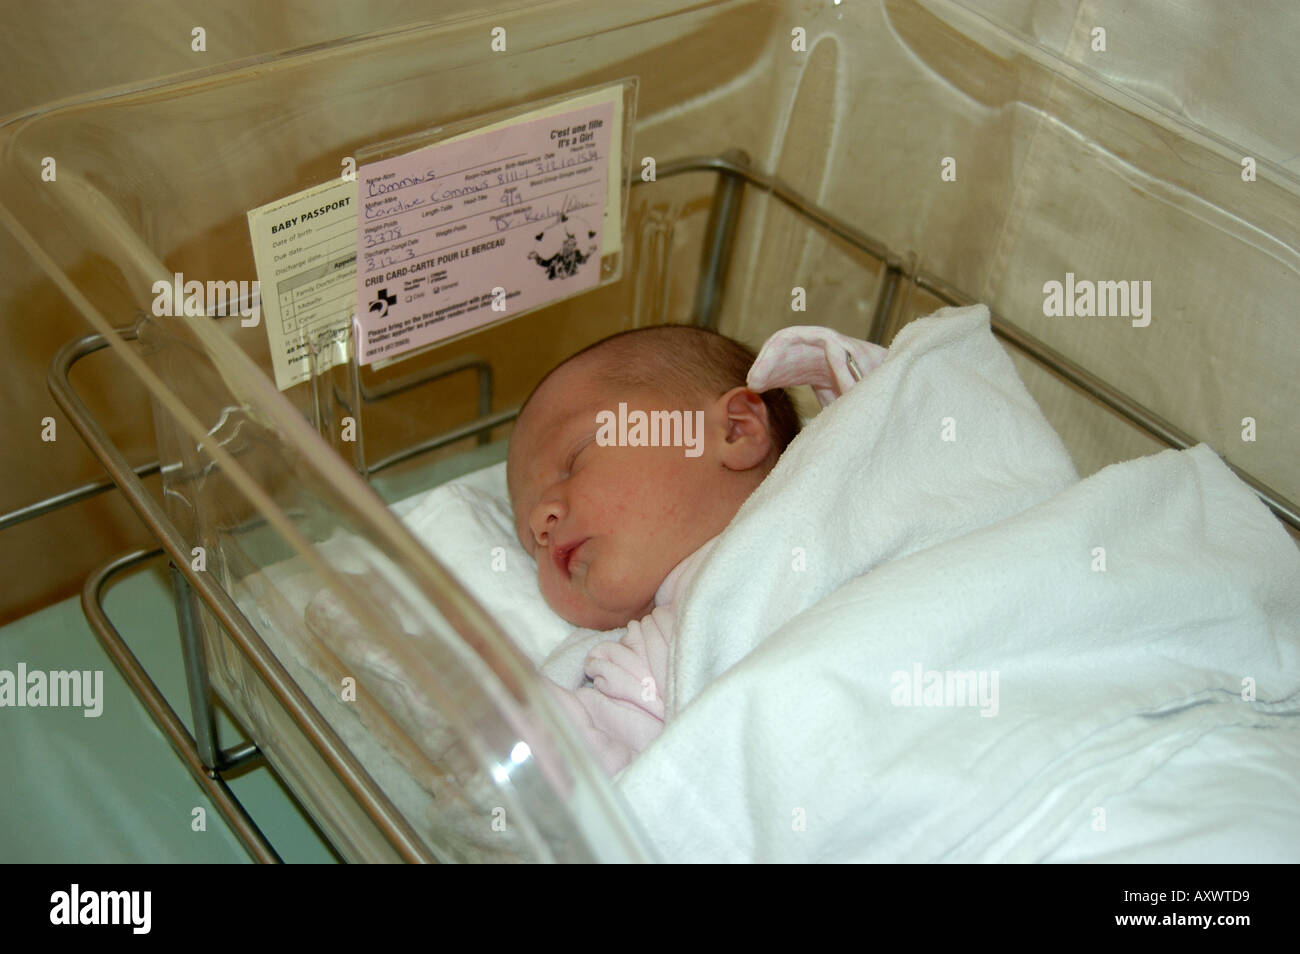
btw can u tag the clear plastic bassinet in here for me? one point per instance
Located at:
(451, 744)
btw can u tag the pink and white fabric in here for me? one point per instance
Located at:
(820, 357)
(622, 711)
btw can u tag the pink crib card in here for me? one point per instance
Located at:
(479, 228)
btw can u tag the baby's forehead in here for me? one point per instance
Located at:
(578, 389)
(541, 424)
(539, 431)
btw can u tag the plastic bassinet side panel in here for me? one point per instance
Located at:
(439, 710)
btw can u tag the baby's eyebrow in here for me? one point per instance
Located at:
(575, 448)
(581, 438)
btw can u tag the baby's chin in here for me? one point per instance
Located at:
(590, 616)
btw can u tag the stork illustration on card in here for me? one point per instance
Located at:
(481, 227)
(567, 259)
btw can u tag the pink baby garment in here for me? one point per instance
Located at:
(827, 360)
(622, 711)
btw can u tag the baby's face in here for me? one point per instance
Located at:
(607, 524)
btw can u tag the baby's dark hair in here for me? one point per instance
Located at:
(690, 362)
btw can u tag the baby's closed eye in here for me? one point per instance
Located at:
(574, 454)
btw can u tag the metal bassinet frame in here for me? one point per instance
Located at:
(201, 753)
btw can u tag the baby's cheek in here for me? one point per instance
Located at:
(626, 586)
(550, 591)
(567, 604)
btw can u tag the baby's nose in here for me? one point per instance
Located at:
(543, 521)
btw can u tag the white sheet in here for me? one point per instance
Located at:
(461, 523)
(940, 440)
(1116, 686)
(468, 525)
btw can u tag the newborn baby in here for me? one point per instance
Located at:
(618, 531)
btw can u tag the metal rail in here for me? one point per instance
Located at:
(479, 427)
(374, 393)
(331, 748)
(205, 769)
(77, 494)
(896, 268)
(369, 394)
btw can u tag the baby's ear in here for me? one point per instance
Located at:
(747, 437)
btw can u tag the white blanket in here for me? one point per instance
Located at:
(1119, 625)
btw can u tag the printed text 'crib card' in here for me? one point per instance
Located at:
(510, 217)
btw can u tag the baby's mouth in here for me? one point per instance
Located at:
(563, 555)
